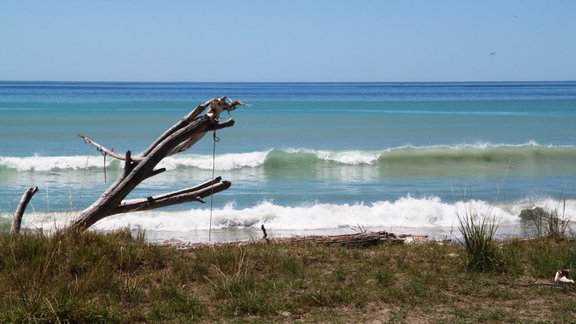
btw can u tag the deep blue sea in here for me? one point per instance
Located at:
(303, 158)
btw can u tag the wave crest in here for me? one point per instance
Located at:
(48, 163)
(295, 158)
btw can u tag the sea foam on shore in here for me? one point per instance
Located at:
(413, 215)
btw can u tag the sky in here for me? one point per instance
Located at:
(288, 41)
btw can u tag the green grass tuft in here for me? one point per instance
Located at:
(478, 233)
(548, 223)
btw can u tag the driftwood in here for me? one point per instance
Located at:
(24, 201)
(176, 139)
(265, 235)
(348, 240)
(356, 240)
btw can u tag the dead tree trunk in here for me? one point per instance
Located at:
(176, 139)
(17, 219)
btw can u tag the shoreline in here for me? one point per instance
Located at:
(251, 234)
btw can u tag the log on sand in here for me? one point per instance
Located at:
(355, 240)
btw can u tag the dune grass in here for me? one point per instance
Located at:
(87, 278)
(478, 231)
(551, 223)
(554, 223)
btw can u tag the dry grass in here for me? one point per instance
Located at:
(114, 278)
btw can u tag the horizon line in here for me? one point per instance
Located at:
(396, 82)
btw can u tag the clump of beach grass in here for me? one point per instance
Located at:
(478, 239)
(556, 223)
(550, 223)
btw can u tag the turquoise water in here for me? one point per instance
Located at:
(301, 156)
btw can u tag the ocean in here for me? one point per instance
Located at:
(303, 158)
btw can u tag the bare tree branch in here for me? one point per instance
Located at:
(176, 139)
(24, 201)
(101, 148)
(169, 199)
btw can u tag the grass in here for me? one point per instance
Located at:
(478, 232)
(551, 223)
(87, 278)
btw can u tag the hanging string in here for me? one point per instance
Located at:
(216, 140)
(104, 154)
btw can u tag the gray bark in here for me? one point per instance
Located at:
(24, 201)
(176, 139)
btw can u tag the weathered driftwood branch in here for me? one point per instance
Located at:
(216, 107)
(188, 118)
(176, 139)
(169, 199)
(265, 236)
(357, 240)
(24, 201)
(101, 148)
(348, 240)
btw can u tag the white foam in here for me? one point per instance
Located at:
(478, 145)
(350, 157)
(229, 161)
(47, 163)
(565, 208)
(221, 162)
(405, 212)
(423, 215)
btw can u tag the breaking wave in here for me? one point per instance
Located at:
(462, 155)
(407, 212)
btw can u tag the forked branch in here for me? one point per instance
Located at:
(174, 140)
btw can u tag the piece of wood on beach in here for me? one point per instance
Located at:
(174, 140)
(348, 240)
(24, 201)
(355, 240)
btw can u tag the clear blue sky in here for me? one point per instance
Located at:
(296, 40)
